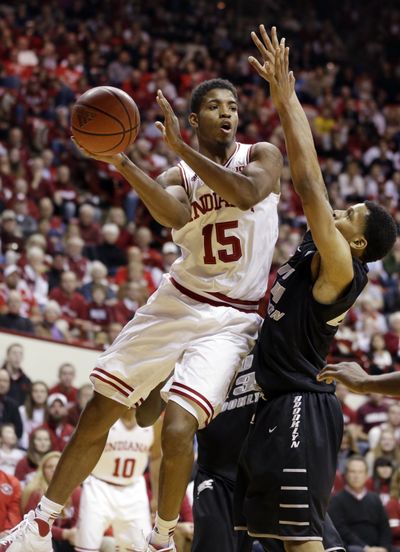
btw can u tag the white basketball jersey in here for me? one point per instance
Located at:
(226, 252)
(125, 455)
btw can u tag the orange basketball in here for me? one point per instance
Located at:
(105, 120)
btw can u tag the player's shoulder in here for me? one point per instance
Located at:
(170, 177)
(265, 150)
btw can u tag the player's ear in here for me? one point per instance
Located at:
(193, 120)
(359, 243)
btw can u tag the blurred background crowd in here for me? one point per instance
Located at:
(80, 253)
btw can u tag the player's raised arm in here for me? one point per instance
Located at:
(165, 197)
(305, 170)
(259, 178)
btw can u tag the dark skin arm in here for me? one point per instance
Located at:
(357, 380)
(244, 190)
(333, 266)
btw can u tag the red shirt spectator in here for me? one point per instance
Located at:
(60, 431)
(66, 376)
(72, 303)
(372, 413)
(10, 499)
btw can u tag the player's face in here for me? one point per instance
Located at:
(217, 119)
(351, 222)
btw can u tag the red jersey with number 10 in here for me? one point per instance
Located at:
(226, 252)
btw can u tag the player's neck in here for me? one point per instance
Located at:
(219, 153)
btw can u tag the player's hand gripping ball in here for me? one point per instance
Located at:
(105, 120)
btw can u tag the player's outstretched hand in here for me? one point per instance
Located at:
(349, 373)
(275, 65)
(110, 159)
(170, 129)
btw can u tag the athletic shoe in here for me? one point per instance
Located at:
(25, 537)
(170, 548)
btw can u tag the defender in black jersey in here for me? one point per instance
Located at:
(288, 461)
(219, 447)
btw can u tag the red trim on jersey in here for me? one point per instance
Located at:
(203, 299)
(218, 295)
(184, 179)
(118, 380)
(233, 154)
(249, 153)
(110, 383)
(191, 390)
(193, 399)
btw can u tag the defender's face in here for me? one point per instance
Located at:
(217, 119)
(351, 223)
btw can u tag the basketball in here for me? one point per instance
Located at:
(105, 120)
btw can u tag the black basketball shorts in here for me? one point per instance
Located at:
(287, 466)
(213, 516)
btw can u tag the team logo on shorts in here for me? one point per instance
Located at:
(6, 489)
(296, 417)
(207, 484)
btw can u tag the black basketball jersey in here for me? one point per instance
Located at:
(220, 442)
(298, 330)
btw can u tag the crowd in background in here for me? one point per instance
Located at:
(79, 251)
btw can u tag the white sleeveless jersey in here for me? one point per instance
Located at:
(226, 252)
(125, 455)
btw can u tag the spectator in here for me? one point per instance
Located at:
(64, 528)
(90, 231)
(99, 314)
(348, 448)
(10, 498)
(392, 338)
(380, 358)
(9, 413)
(10, 234)
(150, 256)
(39, 446)
(60, 431)
(386, 448)
(72, 303)
(392, 424)
(85, 393)
(393, 509)
(98, 275)
(107, 251)
(77, 262)
(170, 252)
(20, 383)
(14, 282)
(34, 274)
(12, 320)
(33, 411)
(373, 412)
(10, 455)
(65, 385)
(358, 514)
(52, 326)
(381, 479)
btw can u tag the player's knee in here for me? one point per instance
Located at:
(177, 435)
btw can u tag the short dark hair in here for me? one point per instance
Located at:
(203, 88)
(380, 233)
(356, 458)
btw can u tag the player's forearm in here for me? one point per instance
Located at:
(235, 188)
(163, 207)
(386, 384)
(304, 167)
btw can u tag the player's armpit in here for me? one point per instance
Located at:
(336, 263)
(263, 173)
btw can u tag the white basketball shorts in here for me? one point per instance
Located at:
(102, 505)
(202, 344)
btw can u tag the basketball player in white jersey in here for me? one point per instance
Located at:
(115, 492)
(221, 202)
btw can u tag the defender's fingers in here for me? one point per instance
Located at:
(266, 39)
(274, 37)
(259, 45)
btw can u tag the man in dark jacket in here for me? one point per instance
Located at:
(358, 514)
(9, 413)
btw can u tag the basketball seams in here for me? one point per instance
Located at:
(101, 111)
(102, 133)
(126, 111)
